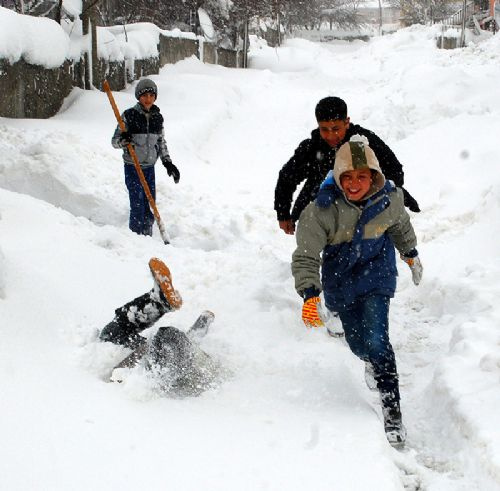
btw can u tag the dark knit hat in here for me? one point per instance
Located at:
(331, 108)
(145, 85)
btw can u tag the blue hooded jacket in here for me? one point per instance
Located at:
(364, 265)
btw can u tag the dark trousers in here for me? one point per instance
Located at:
(170, 354)
(366, 326)
(141, 218)
(132, 318)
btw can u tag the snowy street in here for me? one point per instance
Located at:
(292, 411)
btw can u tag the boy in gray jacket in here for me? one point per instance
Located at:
(145, 132)
(350, 231)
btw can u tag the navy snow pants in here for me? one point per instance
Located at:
(141, 218)
(366, 326)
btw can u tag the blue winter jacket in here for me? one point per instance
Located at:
(353, 245)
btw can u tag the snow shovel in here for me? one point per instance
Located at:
(130, 148)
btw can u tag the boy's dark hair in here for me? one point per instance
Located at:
(331, 108)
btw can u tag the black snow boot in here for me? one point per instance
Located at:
(393, 422)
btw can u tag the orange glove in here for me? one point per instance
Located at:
(310, 312)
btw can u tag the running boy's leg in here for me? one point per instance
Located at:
(366, 326)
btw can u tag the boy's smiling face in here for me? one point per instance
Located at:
(147, 100)
(356, 183)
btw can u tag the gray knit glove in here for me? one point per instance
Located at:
(415, 265)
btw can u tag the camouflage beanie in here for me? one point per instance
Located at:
(354, 155)
(145, 85)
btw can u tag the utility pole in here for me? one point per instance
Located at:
(89, 28)
(245, 43)
(380, 17)
(278, 21)
(93, 47)
(87, 79)
(462, 36)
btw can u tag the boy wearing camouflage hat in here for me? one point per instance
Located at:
(145, 132)
(350, 231)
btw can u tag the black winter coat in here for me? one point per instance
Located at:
(311, 162)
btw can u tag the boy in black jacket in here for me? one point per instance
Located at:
(145, 132)
(315, 156)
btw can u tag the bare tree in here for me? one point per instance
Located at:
(420, 11)
(37, 8)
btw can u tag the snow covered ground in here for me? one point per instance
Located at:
(293, 411)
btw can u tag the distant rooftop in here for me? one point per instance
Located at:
(372, 4)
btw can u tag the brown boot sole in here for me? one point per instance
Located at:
(163, 277)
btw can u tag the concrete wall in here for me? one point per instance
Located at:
(209, 53)
(229, 58)
(31, 91)
(150, 66)
(447, 42)
(173, 50)
(113, 71)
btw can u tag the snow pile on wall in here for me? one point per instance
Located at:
(41, 41)
(134, 41)
(38, 40)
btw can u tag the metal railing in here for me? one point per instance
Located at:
(461, 16)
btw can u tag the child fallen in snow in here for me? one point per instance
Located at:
(145, 132)
(354, 223)
(174, 357)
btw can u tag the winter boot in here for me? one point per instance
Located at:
(370, 376)
(393, 422)
(200, 327)
(333, 324)
(163, 283)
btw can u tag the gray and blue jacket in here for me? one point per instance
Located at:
(148, 135)
(351, 243)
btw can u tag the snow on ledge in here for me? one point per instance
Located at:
(41, 41)
(134, 41)
(38, 40)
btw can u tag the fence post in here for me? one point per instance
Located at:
(462, 36)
